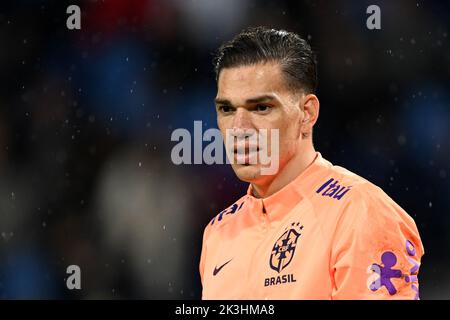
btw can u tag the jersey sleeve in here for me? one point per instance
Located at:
(376, 249)
(203, 254)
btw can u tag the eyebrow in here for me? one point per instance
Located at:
(259, 99)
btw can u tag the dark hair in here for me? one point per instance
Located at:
(260, 44)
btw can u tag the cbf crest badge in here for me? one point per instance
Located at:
(284, 248)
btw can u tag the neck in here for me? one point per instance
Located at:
(291, 170)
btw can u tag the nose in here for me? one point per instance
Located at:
(241, 122)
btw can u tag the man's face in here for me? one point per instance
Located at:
(256, 97)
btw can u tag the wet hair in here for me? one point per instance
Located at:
(260, 45)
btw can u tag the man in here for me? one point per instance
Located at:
(311, 230)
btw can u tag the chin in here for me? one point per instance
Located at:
(250, 173)
(247, 173)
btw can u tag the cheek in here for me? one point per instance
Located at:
(223, 128)
(222, 125)
(285, 143)
(287, 125)
(288, 139)
(289, 132)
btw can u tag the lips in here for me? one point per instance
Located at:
(246, 154)
(245, 149)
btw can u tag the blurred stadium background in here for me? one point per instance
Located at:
(86, 118)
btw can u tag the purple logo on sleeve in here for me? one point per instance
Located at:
(386, 273)
(414, 270)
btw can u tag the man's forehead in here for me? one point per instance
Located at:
(250, 80)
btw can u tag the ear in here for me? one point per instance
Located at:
(311, 108)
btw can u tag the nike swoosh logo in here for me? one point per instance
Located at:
(216, 270)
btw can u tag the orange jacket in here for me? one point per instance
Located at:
(329, 234)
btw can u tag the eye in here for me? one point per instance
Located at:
(262, 108)
(225, 109)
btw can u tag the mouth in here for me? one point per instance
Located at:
(246, 155)
(240, 150)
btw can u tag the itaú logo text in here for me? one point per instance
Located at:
(333, 189)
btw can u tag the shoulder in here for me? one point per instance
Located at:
(362, 205)
(370, 203)
(369, 214)
(225, 216)
(336, 183)
(339, 183)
